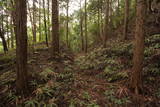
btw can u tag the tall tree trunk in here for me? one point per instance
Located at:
(106, 28)
(7, 32)
(102, 25)
(126, 19)
(34, 23)
(110, 15)
(118, 13)
(67, 29)
(3, 41)
(45, 23)
(13, 16)
(48, 16)
(5, 48)
(40, 32)
(55, 28)
(12, 33)
(81, 27)
(99, 28)
(21, 46)
(136, 77)
(118, 4)
(86, 31)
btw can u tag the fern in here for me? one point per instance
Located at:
(32, 103)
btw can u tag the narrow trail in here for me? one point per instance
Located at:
(85, 81)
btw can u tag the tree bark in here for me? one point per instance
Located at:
(126, 19)
(110, 16)
(45, 23)
(55, 28)
(13, 16)
(67, 29)
(34, 23)
(81, 27)
(48, 16)
(99, 28)
(102, 21)
(21, 46)
(136, 77)
(86, 28)
(106, 31)
(5, 48)
(40, 32)
(7, 32)
(12, 33)
(118, 5)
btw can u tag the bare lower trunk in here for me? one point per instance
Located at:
(21, 46)
(55, 28)
(86, 31)
(34, 23)
(126, 19)
(4, 43)
(102, 25)
(67, 38)
(48, 16)
(40, 32)
(99, 28)
(136, 77)
(106, 27)
(7, 32)
(45, 23)
(81, 28)
(12, 33)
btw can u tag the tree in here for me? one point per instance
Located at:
(12, 32)
(40, 32)
(86, 32)
(55, 28)
(99, 30)
(3, 40)
(45, 23)
(5, 48)
(136, 77)
(21, 46)
(126, 19)
(48, 18)
(67, 29)
(13, 18)
(101, 17)
(81, 26)
(106, 31)
(34, 22)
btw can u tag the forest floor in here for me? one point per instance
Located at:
(99, 78)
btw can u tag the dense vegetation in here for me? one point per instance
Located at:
(79, 53)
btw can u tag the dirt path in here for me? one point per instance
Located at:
(85, 81)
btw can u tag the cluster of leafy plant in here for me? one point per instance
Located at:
(107, 60)
(54, 87)
(153, 41)
(49, 90)
(113, 99)
(100, 57)
(152, 65)
(86, 101)
(113, 74)
(157, 94)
